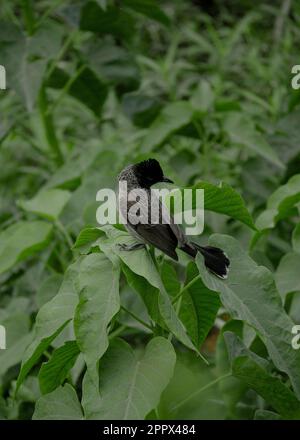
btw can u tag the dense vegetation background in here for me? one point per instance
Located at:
(204, 87)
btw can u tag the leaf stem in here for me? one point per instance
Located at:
(186, 287)
(48, 125)
(65, 233)
(136, 318)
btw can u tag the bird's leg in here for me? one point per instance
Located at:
(131, 247)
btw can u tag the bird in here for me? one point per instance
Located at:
(164, 235)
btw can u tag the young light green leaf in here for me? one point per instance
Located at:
(53, 373)
(47, 203)
(131, 382)
(173, 117)
(61, 404)
(250, 294)
(251, 369)
(280, 204)
(22, 240)
(242, 131)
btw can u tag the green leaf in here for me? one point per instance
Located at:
(141, 109)
(113, 64)
(98, 282)
(231, 388)
(53, 373)
(287, 274)
(85, 86)
(280, 204)
(149, 8)
(51, 319)
(112, 20)
(61, 404)
(99, 302)
(199, 307)
(13, 353)
(26, 58)
(221, 198)
(250, 294)
(147, 291)
(48, 289)
(296, 239)
(141, 263)
(242, 131)
(47, 203)
(173, 117)
(263, 414)
(87, 236)
(131, 382)
(251, 369)
(36, 351)
(22, 240)
(203, 97)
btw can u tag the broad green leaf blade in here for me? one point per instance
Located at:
(287, 274)
(86, 237)
(296, 239)
(61, 404)
(249, 294)
(199, 307)
(147, 291)
(249, 368)
(242, 131)
(98, 282)
(85, 86)
(280, 204)
(141, 263)
(51, 319)
(149, 8)
(48, 289)
(221, 199)
(231, 388)
(26, 58)
(47, 203)
(113, 20)
(53, 373)
(173, 117)
(13, 354)
(131, 382)
(22, 240)
(36, 351)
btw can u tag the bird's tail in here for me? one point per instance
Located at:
(215, 259)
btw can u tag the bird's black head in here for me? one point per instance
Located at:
(149, 172)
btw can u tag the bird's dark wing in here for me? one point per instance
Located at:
(160, 236)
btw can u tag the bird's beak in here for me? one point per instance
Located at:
(165, 179)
